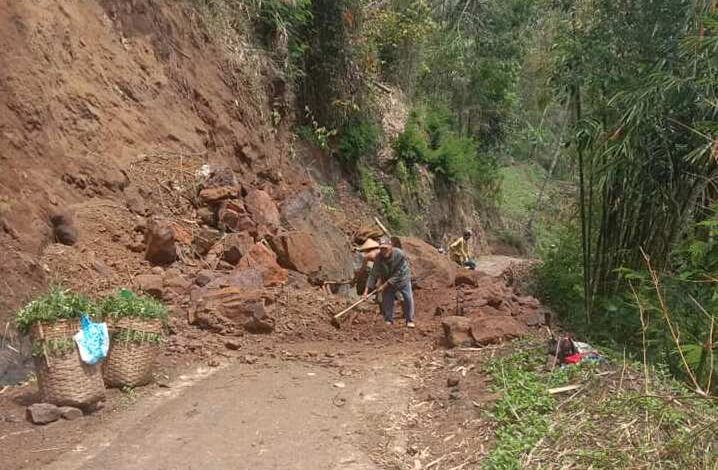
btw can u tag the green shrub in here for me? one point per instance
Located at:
(431, 137)
(125, 304)
(410, 147)
(358, 140)
(56, 304)
(378, 197)
(560, 275)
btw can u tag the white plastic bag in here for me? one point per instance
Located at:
(93, 341)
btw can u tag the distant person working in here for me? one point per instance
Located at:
(461, 252)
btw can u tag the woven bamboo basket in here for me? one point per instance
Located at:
(65, 380)
(128, 363)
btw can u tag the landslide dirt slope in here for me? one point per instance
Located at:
(107, 110)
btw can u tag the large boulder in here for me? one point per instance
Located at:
(160, 243)
(429, 268)
(263, 260)
(457, 331)
(262, 208)
(297, 251)
(241, 307)
(303, 212)
(492, 330)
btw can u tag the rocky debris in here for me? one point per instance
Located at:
(492, 330)
(453, 380)
(175, 283)
(259, 322)
(532, 319)
(235, 246)
(204, 277)
(262, 208)
(63, 228)
(467, 277)
(151, 284)
(262, 260)
(250, 359)
(529, 302)
(297, 251)
(70, 413)
(43, 413)
(214, 194)
(134, 200)
(232, 344)
(205, 239)
(457, 331)
(429, 268)
(207, 216)
(160, 243)
(232, 217)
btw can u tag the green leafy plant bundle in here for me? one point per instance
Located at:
(56, 304)
(126, 304)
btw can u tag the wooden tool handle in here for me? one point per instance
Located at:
(355, 304)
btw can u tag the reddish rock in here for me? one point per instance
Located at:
(492, 330)
(467, 277)
(152, 284)
(176, 283)
(429, 268)
(235, 246)
(205, 239)
(297, 251)
(232, 216)
(263, 260)
(457, 331)
(207, 216)
(489, 311)
(204, 277)
(214, 194)
(63, 228)
(181, 235)
(532, 319)
(529, 302)
(262, 208)
(242, 307)
(160, 242)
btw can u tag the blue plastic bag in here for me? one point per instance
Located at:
(93, 340)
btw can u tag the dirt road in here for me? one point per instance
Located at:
(282, 414)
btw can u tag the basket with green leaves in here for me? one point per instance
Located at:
(52, 320)
(136, 325)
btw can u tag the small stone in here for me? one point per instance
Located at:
(250, 359)
(204, 277)
(157, 270)
(213, 362)
(152, 284)
(70, 413)
(453, 381)
(43, 413)
(454, 395)
(339, 385)
(232, 344)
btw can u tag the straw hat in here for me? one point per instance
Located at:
(368, 245)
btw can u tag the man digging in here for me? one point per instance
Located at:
(392, 268)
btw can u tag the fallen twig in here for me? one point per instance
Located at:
(567, 388)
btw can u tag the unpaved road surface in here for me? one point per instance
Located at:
(276, 415)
